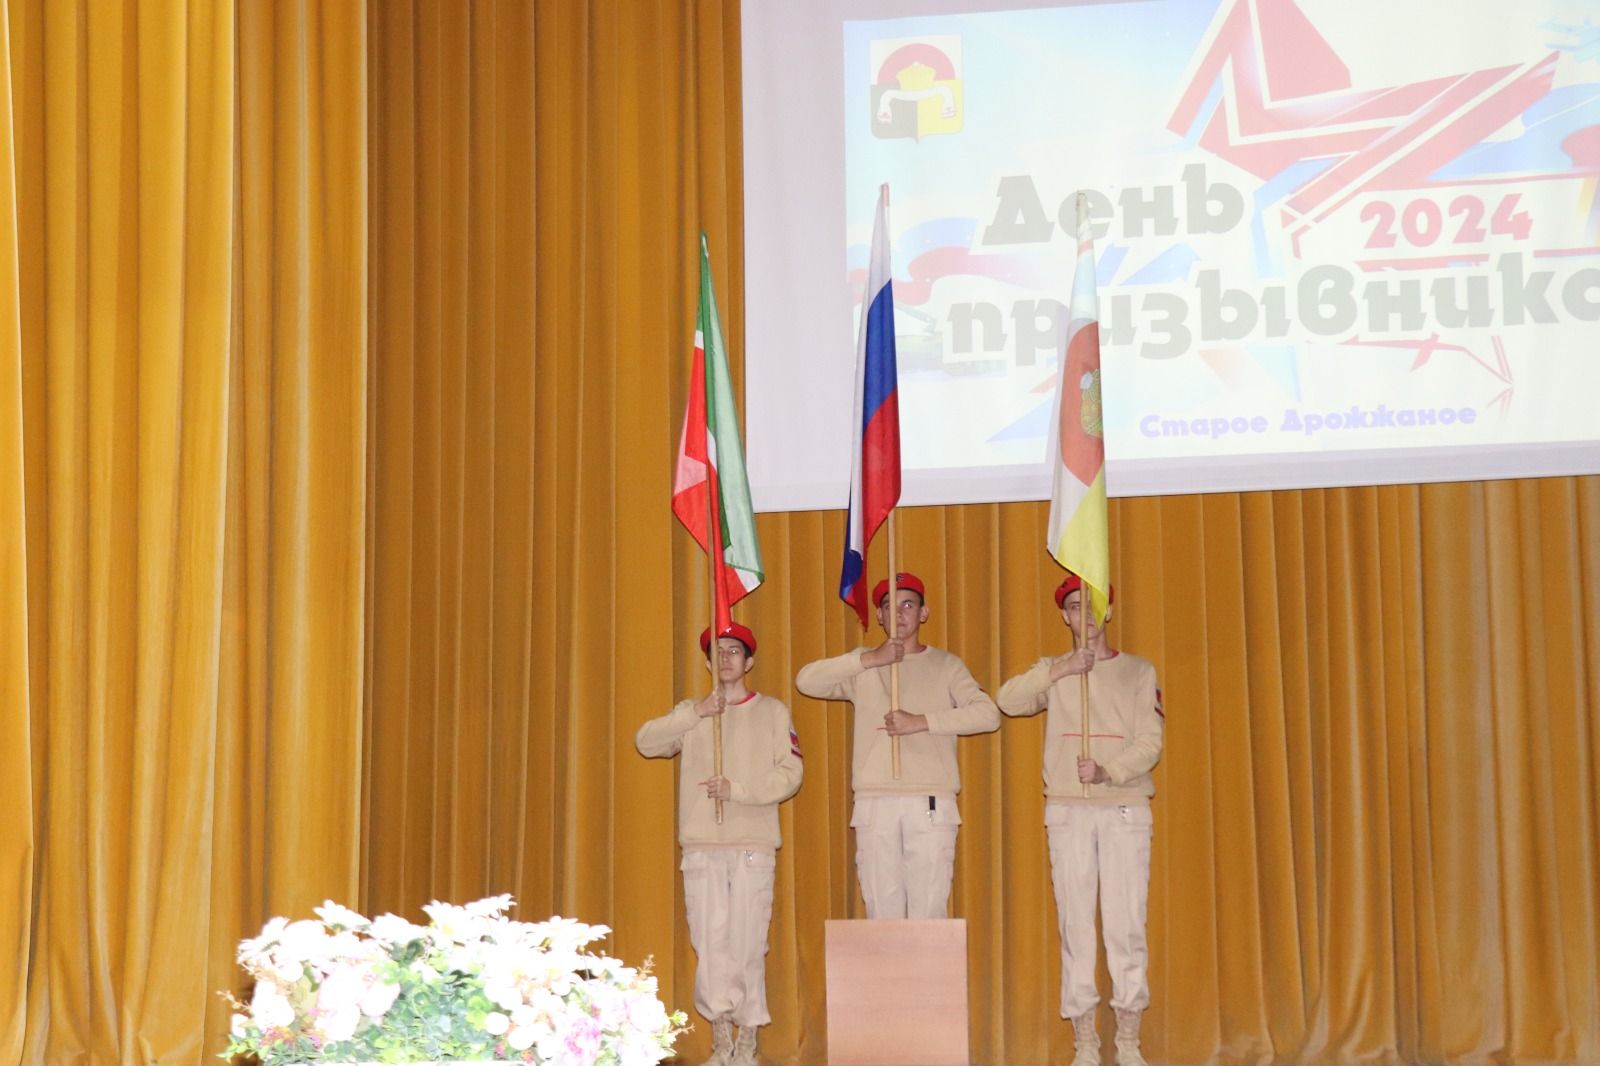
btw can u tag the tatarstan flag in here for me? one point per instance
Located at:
(711, 461)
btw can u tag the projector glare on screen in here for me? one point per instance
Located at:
(1338, 241)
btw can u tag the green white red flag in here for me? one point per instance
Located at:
(711, 461)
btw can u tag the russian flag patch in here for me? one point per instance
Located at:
(794, 743)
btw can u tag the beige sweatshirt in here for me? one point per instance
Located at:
(760, 759)
(933, 683)
(1125, 726)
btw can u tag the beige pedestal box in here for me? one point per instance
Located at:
(897, 993)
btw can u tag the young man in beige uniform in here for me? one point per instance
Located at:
(1100, 842)
(906, 826)
(728, 868)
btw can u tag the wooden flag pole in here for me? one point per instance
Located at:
(894, 634)
(1083, 689)
(1085, 603)
(713, 649)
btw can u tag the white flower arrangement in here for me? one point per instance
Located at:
(470, 985)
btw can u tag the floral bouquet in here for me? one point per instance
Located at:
(470, 985)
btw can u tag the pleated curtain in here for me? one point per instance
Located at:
(342, 353)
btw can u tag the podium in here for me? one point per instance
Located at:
(897, 992)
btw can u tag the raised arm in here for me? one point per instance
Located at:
(662, 737)
(1028, 693)
(972, 711)
(831, 679)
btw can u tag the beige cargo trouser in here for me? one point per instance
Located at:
(728, 895)
(1104, 852)
(905, 854)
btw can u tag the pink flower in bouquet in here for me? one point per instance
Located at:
(646, 1012)
(339, 1004)
(269, 1008)
(583, 1041)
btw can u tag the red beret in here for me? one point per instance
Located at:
(1072, 584)
(738, 632)
(907, 581)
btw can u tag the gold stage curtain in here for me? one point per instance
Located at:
(336, 434)
(182, 491)
(1377, 829)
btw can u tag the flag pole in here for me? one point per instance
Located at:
(713, 649)
(1085, 594)
(1085, 602)
(894, 596)
(894, 634)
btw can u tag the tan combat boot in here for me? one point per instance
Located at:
(744, 1047)
(721, 1043)
(1086, 1041)
(1128, 1039)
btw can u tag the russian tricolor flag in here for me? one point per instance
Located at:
(875, 429)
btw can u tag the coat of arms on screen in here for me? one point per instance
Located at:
(916, 86)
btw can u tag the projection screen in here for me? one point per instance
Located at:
(1338, 241)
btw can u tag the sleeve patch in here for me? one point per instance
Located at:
(1160, 710)
(794, 744)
